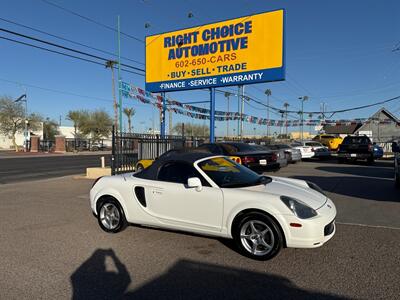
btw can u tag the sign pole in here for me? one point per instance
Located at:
(164, 108)
(119, 78)
(212, 115)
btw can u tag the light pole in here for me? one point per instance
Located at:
(303, 98)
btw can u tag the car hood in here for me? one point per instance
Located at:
(295, 188)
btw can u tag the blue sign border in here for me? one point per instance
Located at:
(269, 75)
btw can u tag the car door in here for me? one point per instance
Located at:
(172, 202)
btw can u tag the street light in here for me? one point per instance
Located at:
(303, 98)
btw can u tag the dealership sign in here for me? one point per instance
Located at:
(234, 52)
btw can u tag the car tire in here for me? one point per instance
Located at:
(111, 216)
(397, 180)
(370, 160)
(341, 160)
(139, 168)
(258, 236)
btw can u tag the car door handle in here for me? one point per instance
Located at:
(157, 192)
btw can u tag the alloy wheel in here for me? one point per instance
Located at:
(110, 216)
(257, 237)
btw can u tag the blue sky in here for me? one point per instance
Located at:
(337, 52)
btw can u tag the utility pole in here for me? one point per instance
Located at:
(286, 105)
(170, 122)
(240, 115)
(303, 98)
(268, 92)
(119, 77)
(227, 94)
(241, 110)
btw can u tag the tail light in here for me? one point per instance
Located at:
(370, 147)
(238, 160)
(274, 157)
(248, 159)
(312, 149)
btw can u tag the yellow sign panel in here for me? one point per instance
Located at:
(234, 52)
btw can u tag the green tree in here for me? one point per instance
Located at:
(129, 112)
(191, 129)
(97, 124)
(50, 129)
(13, 118)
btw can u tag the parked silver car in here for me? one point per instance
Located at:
(293, 155)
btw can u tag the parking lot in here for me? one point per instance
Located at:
(52, 247)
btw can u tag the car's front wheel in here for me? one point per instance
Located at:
(258, 236)
(111, 216)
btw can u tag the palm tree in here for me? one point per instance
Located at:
(75, 116)
(268, 92)
(286, 105)
(129, 112)
(110, 65)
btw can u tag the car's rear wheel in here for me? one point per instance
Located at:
(370, 160)
(111, 216)
(258, 236)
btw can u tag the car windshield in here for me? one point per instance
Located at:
(228, 174)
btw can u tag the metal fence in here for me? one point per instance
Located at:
(79, 144)
(129, 148)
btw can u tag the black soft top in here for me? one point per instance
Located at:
(183, 155)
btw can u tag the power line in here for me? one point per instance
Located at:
(68, 40)
(64, 54)
(65, 48)
(55, 91)
(91, 20)
(60, 92)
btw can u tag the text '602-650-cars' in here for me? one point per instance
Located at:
(215, 196)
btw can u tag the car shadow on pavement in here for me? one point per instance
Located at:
(366, 188)
(185, 279)
(368, 171)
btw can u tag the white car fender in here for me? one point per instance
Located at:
(255, 205)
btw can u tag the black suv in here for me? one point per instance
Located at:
(356, 147)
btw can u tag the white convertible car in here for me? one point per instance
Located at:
(215, 196)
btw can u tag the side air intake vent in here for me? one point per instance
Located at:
(139, 192)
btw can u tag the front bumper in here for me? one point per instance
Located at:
(315, 231)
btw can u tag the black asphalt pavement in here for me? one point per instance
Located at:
(52, 248)
(33, 168)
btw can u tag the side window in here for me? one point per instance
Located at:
(179, 172)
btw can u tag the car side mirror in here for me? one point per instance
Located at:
(194, 182)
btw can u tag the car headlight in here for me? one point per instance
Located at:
(315, 187)
(300, 209)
